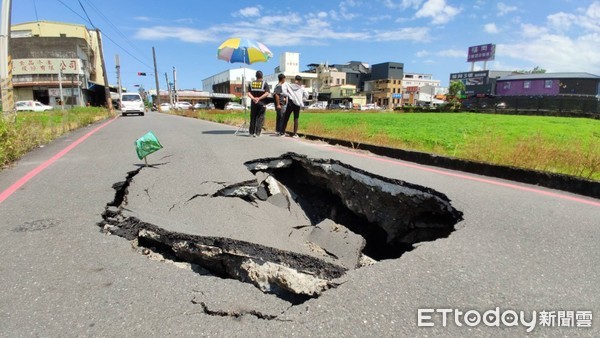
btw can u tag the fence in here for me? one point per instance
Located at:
(577, 106)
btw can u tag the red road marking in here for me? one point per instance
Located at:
(15, 186)
(471, 178)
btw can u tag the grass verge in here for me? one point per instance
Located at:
(563, 145)
(23, 131)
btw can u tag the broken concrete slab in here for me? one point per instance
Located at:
(338, 241)
(294, 227)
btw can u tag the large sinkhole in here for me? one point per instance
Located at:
(339, 218)
(391, 215)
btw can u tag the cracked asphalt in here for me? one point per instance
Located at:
(518, 246)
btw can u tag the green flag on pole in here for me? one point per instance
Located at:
(146, 145)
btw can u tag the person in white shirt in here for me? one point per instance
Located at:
(296, 94)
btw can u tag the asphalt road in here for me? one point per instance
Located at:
(519, 248)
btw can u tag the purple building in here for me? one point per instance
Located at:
(549, 84)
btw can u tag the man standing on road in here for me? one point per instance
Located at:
(258, 90)
(296, 95)
(280, 104)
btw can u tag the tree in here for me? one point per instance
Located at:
(456, 88)
(535, 70)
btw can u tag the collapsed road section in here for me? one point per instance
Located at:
(305, 222)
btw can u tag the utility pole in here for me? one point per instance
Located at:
(175, 85)
(106, 88)
(169, 88)
(118, 67)
(6, 85)
(60, 89)
(156, 79)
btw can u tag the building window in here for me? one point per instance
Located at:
(527, 84)
(548, 84)
(506, 85)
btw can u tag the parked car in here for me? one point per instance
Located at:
(371, 106)
(233, 106)
(165, 107)
(270, 106)
(30, 105)
(132, 103)
(182, 105)
(317, 106)
(501, 105)
(200, 105)
(337, 106)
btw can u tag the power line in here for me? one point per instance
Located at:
(86, 14)
(116, 28)
(105, 35)
(35, 10)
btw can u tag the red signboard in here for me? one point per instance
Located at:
(412, 89)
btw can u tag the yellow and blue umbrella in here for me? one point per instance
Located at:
(243, 50)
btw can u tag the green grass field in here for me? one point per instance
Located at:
(555, 144)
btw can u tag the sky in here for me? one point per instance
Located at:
(428, 36)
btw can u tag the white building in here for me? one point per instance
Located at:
(289, 65)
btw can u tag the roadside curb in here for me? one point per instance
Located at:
(544, 179)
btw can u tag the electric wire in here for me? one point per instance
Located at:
(116, 29)
(107, 36)
(35, 10)
(86, 14)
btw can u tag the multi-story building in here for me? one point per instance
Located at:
(356, 72)
(549, 84)
(480, 83)
(384, 85)
(229, 82)
(289, 65)
(420, 88)
(48, 56)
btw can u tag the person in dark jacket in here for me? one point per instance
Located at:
(280, 104)
(258, 90)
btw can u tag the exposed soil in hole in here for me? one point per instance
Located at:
(355, 218)
(390, 215)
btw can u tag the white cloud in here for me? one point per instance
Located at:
(453, 53)
(558, 52)
(491, 28)
(588, 19)
(561, 21)
(142, 18)
(504, 9)
(438, 10)
(402, 4)
(249, 12)
(185, 20)
(418, 34)
(422, 53)
(568, 42)
(532, 31)
(179, 33)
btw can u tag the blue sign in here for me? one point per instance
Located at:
(396, 96)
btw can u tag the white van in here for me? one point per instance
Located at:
(132, 103)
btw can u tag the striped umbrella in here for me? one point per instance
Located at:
(243, 50)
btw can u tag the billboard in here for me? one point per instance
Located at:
(46, 66)
(471, 78)
(481, 53)
(412, 89)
